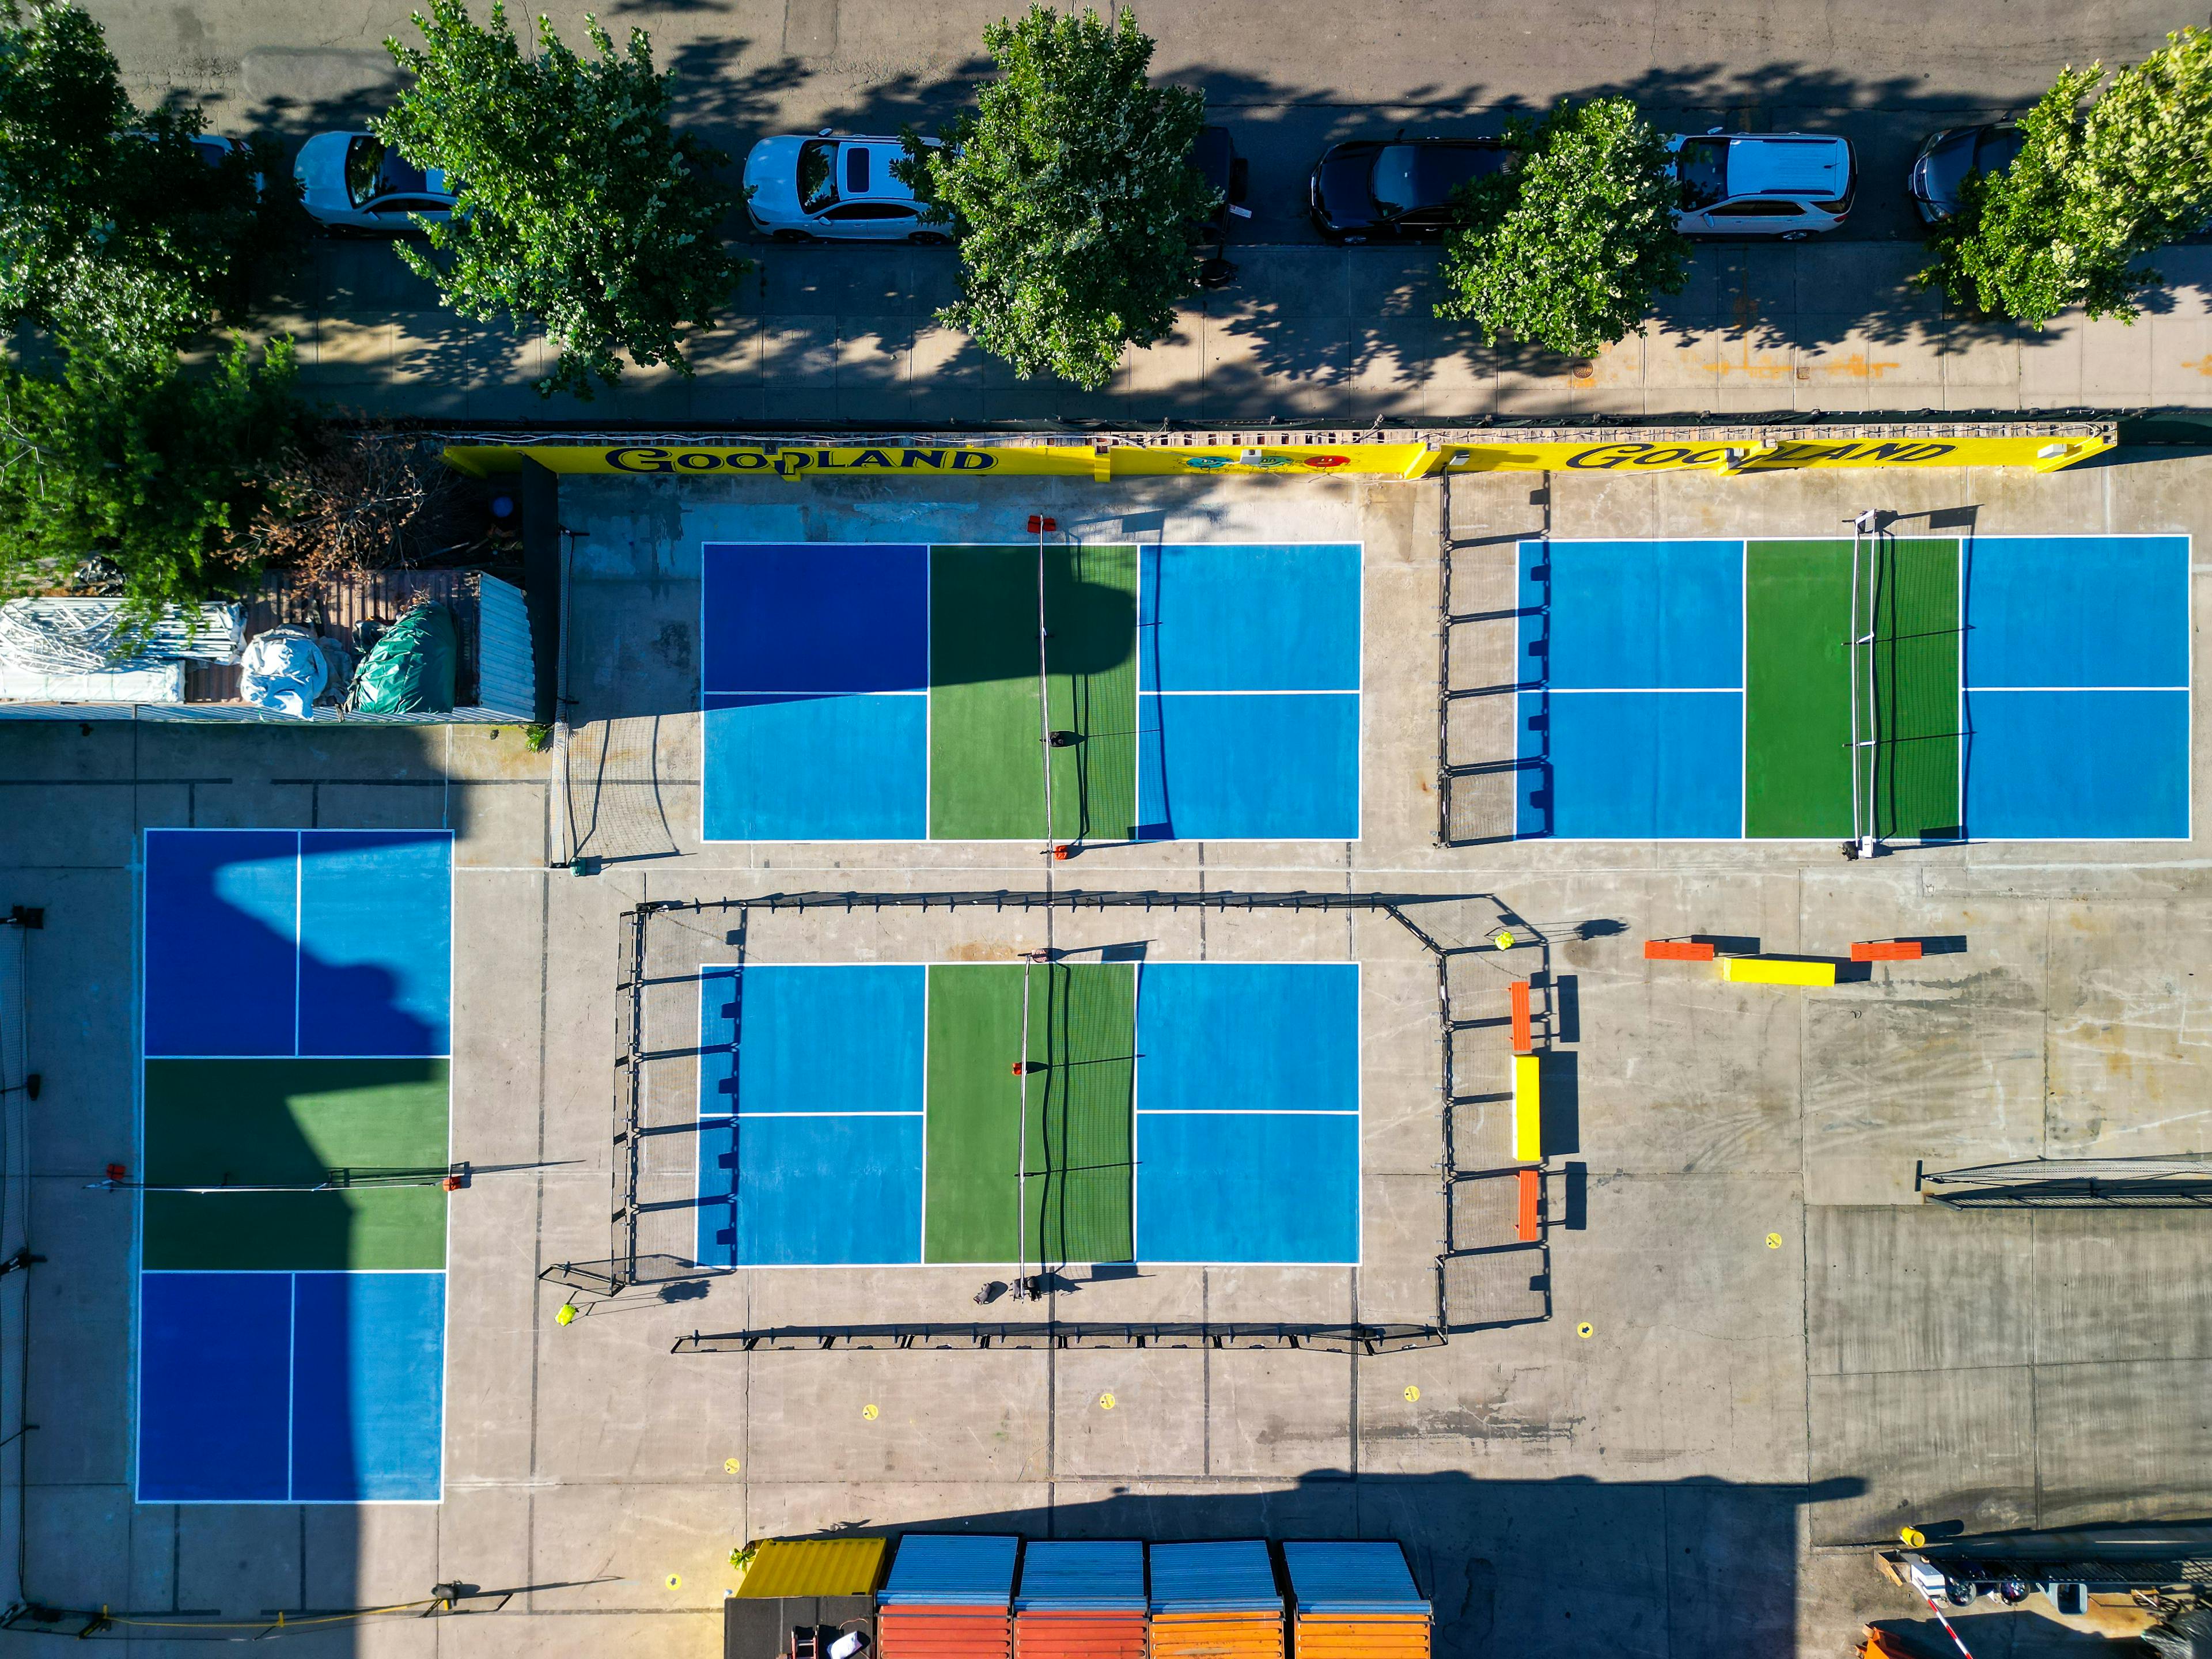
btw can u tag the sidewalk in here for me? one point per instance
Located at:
(1307, 334)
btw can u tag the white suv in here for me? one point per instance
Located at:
(1784, 184)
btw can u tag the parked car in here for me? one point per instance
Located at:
(351, 181)
(1948, 157)
(212, 148)
(1785, 185)
(1373, 190)
(835, 188)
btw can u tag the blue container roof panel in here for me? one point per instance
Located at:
(1363, 1577)
(942, 1569)
(1214, 1578)
(1071, 1576)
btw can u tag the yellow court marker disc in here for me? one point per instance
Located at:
(1413, 1392)
(1583, 1330)
(1105, 1402)
(674, 1583)
(868, 1414)
(1774, 1241)
(1503, 941)
(730, 1465)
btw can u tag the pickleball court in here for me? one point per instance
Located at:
(1917, 688)
(900, 691)
(874, 1114)
(296, 1034)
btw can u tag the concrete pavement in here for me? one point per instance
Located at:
(1307, 333)
(1699, 1475)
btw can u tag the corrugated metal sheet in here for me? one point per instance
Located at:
(161, 683)
(946, 1633)
(814, 1566)
(1332, 1636)
(1198, 1577)
(1351, 1578)
(1083, 1575)
(1217, 1636)
(1079, 1635)
(506, 678)
(943, 1569)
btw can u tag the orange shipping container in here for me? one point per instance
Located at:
(946, 1633)
(1078, 1636)
(1217, 1636)
(1350, 1636)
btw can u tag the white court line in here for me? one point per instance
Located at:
(721, 1119)
(1633, 690)
(2074, 688)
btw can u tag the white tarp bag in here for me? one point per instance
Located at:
(285, 670)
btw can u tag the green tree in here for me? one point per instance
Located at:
(164, 473)
(1073, 183)
(112, 227)
(581, 211)
(2093, 189)
(1567, 245)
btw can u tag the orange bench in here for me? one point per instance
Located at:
(1523, 1038)
(1675, 950)
(1887, 950)
(1529, 1226)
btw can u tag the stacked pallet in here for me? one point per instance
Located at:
(948, 1598)
(1080, 1600)
(1355, 1601)
(1215, 1602)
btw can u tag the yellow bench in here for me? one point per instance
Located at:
(1528, 1110)
(1758, 970)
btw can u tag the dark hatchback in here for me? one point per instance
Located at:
(1368, 191)
(1948, 157)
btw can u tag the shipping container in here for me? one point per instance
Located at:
(1214, 1578)
(1081, 1600)
(952, 1570)
(949, 1597)
(1355, 1600)
(1351, 1578)
(1083, 1577)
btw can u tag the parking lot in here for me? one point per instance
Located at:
(1748, 1347)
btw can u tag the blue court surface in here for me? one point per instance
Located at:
(1248, 680)
(296, 1385)
(312, 1388)
(297, 942)
(2076, 681)
(2072, 695)
(816, 1089)
(818, 698)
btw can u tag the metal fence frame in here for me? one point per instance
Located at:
(626, 1266)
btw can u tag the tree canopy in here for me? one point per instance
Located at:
(2096, 186)
(163, 473)
(580, 211)
(114, 228)
(1566, 246)
(1072, 185)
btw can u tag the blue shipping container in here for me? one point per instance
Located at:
(1214, 1578)
(1066, 1576)
(933, 1569)
(1364, 1578)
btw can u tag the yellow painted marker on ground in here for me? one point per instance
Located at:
(1528, 1110)
(1762, 971)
